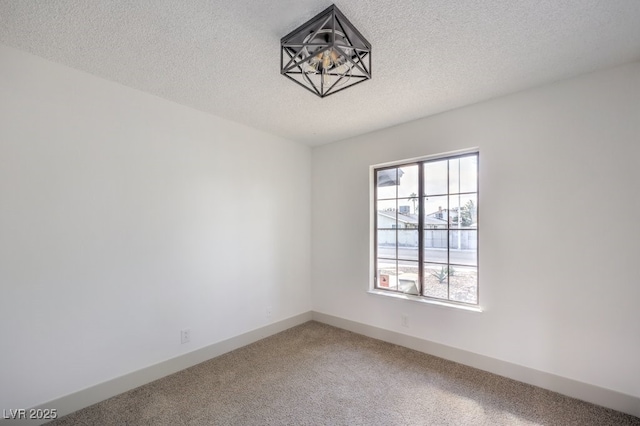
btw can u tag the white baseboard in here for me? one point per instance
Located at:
(94, 394)
(601, 396)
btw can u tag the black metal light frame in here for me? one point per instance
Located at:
(328, 32)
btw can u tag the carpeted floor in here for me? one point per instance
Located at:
(315, 374)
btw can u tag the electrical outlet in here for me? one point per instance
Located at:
(404, 320)
(185, 335)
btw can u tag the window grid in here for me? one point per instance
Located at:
(422, 261)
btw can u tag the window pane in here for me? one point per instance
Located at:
(463, 284)
(407, 207)
(464, 247)
(469, 174)
(408, 244)
(387, 274)
(408, 277)
(463, 174)
(435, 212)
(387, 214)
(464, 206)
(435, 245)
(435, 177)
(387, 181)
(454, 176)
(408, 181)
(387, 243)
(436, 280)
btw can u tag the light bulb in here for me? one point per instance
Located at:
(311, 66)
(334, 56)
(342, 69)
(326, 60)
(326, 79)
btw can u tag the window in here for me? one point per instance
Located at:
(426, 228)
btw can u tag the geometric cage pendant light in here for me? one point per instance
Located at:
(325, 55)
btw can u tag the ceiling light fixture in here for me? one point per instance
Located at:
(326, 54)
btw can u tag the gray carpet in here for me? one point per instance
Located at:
(315, 374)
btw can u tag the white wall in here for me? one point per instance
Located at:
(559, 277)
(125, 218)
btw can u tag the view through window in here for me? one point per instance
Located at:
(426, 238)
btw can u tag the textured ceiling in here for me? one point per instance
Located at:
(428, 56)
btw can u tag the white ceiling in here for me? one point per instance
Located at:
(428, 56)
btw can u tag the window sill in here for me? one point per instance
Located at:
(424, 300)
